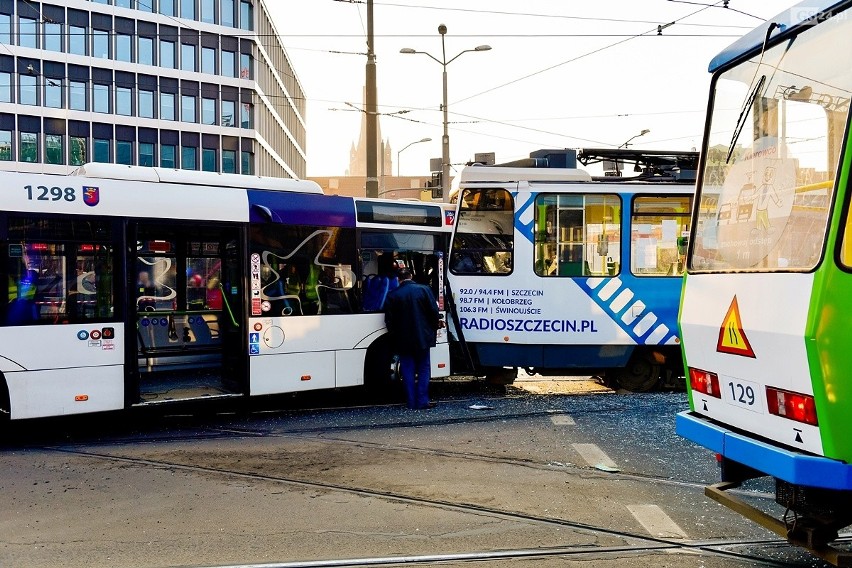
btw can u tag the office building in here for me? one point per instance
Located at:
(190, 84)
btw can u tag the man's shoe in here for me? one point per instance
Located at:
(432, 404)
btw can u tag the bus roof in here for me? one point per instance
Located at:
(799, 14)
(191, 177)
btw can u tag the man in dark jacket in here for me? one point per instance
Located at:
(411, 315)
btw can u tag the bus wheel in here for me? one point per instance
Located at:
(640, 375)
(500, 375)
(381, 369)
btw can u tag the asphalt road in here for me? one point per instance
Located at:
(556, 473)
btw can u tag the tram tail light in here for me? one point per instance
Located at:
(707, 383)
(792, 405)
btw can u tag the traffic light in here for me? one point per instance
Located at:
(437, 185)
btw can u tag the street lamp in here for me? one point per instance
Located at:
(411, 144)
(643, 133)
(445, 141)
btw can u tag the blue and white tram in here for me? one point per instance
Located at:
(558, 272)
(131, 285)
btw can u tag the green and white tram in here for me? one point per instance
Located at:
(766, 312)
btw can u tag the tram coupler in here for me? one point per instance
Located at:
(801, 532)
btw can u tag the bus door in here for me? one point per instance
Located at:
(186, 300)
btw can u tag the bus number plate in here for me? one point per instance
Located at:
(744, 394)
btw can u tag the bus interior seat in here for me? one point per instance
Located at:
(375, 291)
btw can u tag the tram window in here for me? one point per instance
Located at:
(202, 283)
(659, 228)
(577, 235)
(306, 270)
(484, 239)
(58, 282)
(156, 288)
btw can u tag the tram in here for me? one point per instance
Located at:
(558, 272)
(132, 286)
(765, 316)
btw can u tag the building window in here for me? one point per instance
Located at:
(53, 153)
(167, 7)
(101, 150)
(247, 163)
(124, 152)
(228, 66)
(29, 92)
(229, 109)
(246, 111)
(124, 3)
(146, 5)
(100, 98)
(146, 103)
(187, 108)
(229, 161)
(246, 66)
(6, 145)
(6, 29)
(29, 147)
(167, 54)
(123, 47)
(27, 32)
(53, 36)
(123, 101)
(227, 13)
(208, 160)
(187, 9)
(246, 16)
(187, 57)
(5, 87)
(167, 155)
(188, 158)
(100, 44)
(77, 40)
(53, 93)
(208, 60)
(146, 154)
(208, 11)
(77, 154)
(146, 50)
(77, 95)
(167, 106)
(208, 111)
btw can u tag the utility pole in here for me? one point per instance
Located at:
(372, 111)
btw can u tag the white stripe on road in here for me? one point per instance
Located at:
(593, 455)
(562, 420)
(655, 521)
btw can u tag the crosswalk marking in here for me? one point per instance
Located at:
(562, 420)
(655, 521)
(593, 455)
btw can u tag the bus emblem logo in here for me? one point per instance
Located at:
(732, 338)
(91, 195)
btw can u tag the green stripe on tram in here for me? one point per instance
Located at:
(827, 335)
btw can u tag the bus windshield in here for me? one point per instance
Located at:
(771, 156)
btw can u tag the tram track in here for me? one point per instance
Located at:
(639, 544)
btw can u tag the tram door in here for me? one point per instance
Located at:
(188, 311)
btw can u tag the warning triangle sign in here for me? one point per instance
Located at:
(732, 338)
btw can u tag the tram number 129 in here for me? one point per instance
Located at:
(743, 393)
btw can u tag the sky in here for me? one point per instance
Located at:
(560, 73)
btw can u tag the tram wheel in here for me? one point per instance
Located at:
(500, 376)
(640, 375)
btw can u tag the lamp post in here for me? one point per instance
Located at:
(406, 147)
(445, 141)
(643, 133)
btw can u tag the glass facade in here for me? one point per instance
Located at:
(56, 80)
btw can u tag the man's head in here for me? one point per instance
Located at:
(404, 274)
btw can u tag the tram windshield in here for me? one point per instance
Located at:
(771, 155)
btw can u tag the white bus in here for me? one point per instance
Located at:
(132, 286)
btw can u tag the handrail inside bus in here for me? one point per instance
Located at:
(228, 306)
